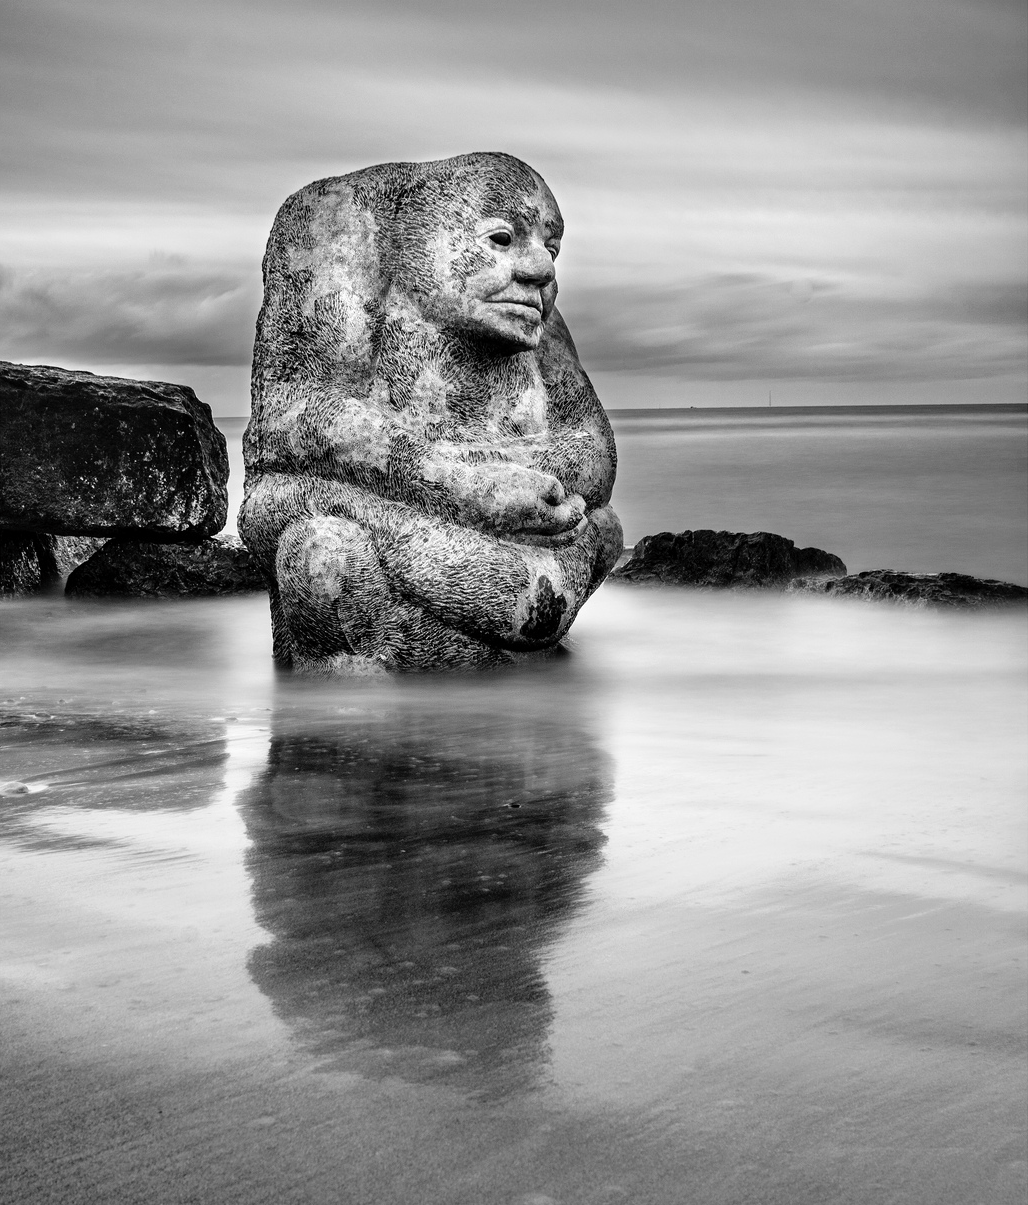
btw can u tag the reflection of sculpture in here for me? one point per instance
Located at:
(411, 869)
(428, 467)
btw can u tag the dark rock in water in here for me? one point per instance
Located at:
(128, 568)
(88, 455)
(918, 589)
(724, 558)
(32, 561)
(25, 564)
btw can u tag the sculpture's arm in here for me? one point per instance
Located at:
(520, 596)
(583, 462)
(495, 489)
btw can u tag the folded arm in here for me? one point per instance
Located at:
(491, 487)
(505, 593)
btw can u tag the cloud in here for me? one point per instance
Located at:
(738, 327)
(165, 312)
(195, 99)
(720, 327)
(717, 162)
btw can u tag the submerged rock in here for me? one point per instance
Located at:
(918, 589)
(88, 455)
(130, 569)
(32, 561)
(724, 559)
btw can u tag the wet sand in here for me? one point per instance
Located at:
(727, 907)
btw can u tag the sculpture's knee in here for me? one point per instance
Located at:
(548, 606)
(332, 591)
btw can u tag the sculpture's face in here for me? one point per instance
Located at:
(493, 270)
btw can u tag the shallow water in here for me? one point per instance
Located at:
(728, 906)
(922, 488)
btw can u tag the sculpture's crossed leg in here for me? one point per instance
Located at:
(362, 582)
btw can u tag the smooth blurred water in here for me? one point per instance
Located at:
(921, 488)
(728, 906)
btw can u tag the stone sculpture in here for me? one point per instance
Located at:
(428, 468)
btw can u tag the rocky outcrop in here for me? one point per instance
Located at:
(34, 561)
(918, 589)
(102, 456)
(724, 559)
(130, 569)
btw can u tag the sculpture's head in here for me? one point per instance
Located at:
(474, 245)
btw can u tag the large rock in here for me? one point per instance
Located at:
(127, 568)
(25, 564)
(32, 561)
(88, 455)
(724, 558)
(919, 589)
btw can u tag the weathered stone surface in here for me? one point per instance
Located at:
(723, 559)
(88, 455)
(128, 568)
(428, 468)
(33, 561)
(919, 589)
(25, 564)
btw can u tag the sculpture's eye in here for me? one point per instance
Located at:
(502, 238)
(553, 249)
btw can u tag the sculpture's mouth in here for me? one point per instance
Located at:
(519, 303)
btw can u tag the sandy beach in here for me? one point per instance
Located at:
(728, 907)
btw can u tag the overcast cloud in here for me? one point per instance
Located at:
(755, 191)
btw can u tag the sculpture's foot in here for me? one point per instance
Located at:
(342, 665)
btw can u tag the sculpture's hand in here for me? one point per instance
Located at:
(522, 504)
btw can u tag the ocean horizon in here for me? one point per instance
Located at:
(923, 488)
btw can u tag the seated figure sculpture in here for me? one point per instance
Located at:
(428, 468)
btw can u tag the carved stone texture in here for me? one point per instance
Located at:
(32, 561)
(724, 559)
(88, 455)
(428, 468)
(128, 568)
(919, 589)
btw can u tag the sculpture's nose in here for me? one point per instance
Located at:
(535, 266)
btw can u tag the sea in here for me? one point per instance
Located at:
(927, 489)
(725, 906)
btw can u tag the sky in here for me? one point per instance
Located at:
(821, 199)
